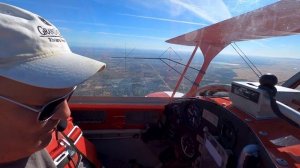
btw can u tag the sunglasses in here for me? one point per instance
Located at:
(47, 110)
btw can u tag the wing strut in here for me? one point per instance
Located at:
(278, 19)
(209, 52)
(184, 71)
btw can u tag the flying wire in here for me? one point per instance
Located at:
(170, 48)
(245, 61)
(247, 58)
(176, 70)
(162, 59)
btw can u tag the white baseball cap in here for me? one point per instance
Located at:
(33, 51)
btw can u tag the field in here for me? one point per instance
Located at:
(139, 77)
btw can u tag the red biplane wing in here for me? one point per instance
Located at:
(279, 19)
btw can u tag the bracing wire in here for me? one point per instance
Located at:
(158, 58)
(176, 71)
(164, 52)
(245, 61)
(176, 53)
(162, 60)
(181, 64)
(247, 58)
(170, 49)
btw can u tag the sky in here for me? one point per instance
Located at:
(147, 24)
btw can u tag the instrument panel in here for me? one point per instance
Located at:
(193, 116)
(208, 132)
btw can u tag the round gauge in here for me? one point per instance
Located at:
(228, 135)
(188, 146)
(193, 116)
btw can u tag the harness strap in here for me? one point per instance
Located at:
(69, 148)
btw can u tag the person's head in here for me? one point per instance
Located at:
(38, 73)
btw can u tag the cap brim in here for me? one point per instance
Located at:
(60, 71)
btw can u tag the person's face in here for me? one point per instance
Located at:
(20, 127)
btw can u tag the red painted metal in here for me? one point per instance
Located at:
(184, 71)
(278, 19)
(158, 94)
(115, 114)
